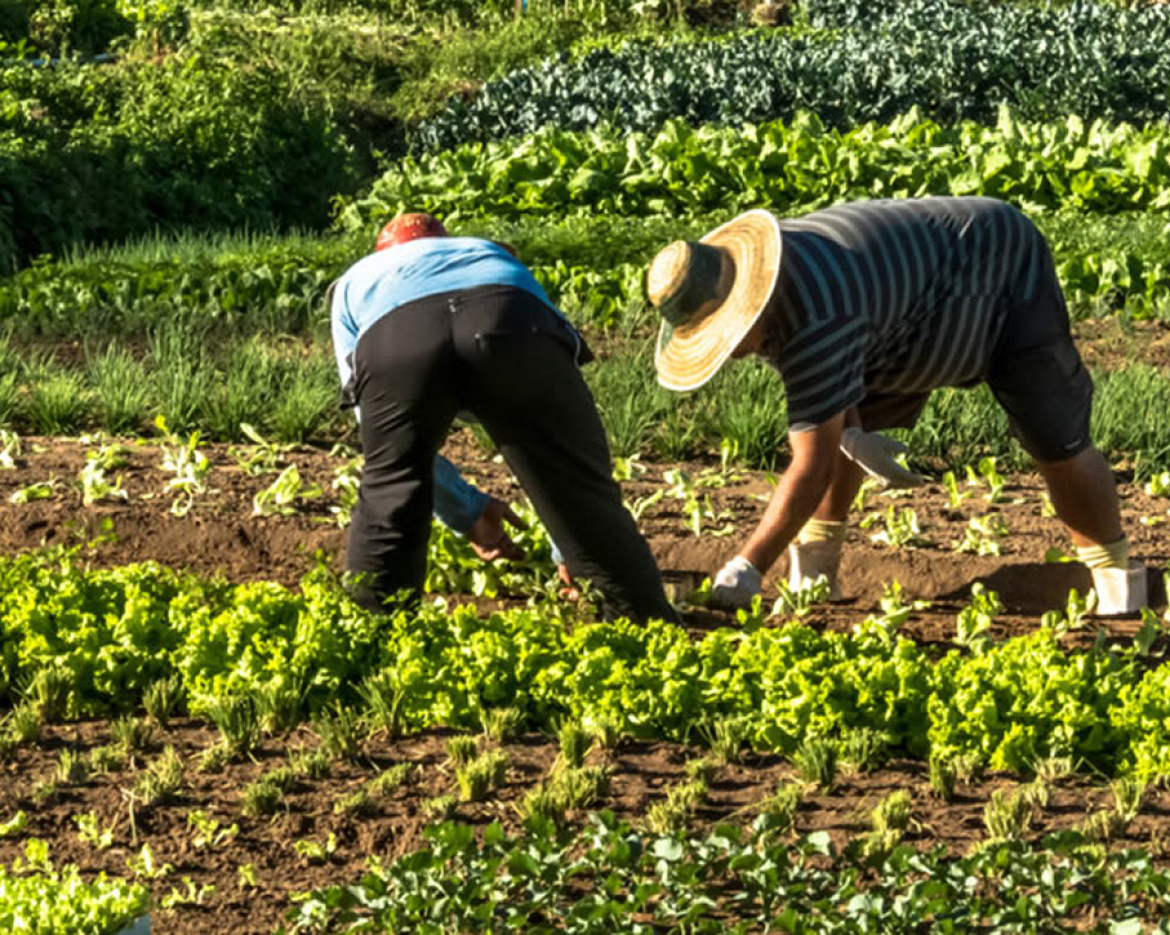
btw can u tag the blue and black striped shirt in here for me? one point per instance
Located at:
(894, 297)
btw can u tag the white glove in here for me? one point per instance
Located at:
(875, 453)
(736, 584)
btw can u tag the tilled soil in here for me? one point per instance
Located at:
(221, 537)
(643, 771)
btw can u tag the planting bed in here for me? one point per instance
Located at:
(393, 827)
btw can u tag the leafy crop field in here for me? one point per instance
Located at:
(197, 724)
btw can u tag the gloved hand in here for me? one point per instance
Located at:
(875, 453)
(735, 585)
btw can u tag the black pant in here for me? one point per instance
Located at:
(504, 355)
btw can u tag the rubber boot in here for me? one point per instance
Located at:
(1120, 590)
(808, 561)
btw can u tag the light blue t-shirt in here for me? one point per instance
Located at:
(381, 282)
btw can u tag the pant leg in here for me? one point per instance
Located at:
(407, 386)
(525, 387)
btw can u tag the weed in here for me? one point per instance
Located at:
(122, 389)
(214, 758)
(889, 821)
(864, 749)
(107, 758)
(1007, 815)
(261, 798)
(8, 747)
(1052, 769)
(1128, 794)
(340, 733)
(162, 699)
(390, 779)
(237, 718)
(283, 777)
(163, 778)
(1037, 794)
(726, 737)
(309, 764)
(382, 696)
(607, 731)
(91, 831)
(280, 705)
(45, 792)
(439, 808)
(575, 742)
(778, 810)
(358, 803)
(49, 691)
(673, 813)
(942, 777)
(704, 768)
(132, 734)
(502, 724)
(24, 723)
(71, 768)
(816, 762)
(57, 402)
(482, 775)
(1102, 826)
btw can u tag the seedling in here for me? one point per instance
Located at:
(976, 619)
(1007, 815)
(639, 507)
(439, 808)
(942, 777)
(208, 832)
(260, 799)
(462, 749)
(726, 737)
(45, 792)
(673, 813)
(309, 764)
(263, 457)
(986, 472)
(162, 699)
(778, 811)
(162, 780)
(800, 601)
(188, 466)
(575, 742)
(501, 724)
(9, 450)
(90, 831)
(24, 723)
(390, 779)
(107, 758)
(144, 866)
(340, 733)
(889, 821)
(383, 697)
(816, 762)
(347, 481)
(955, 494)
(14, 826)
(1156, 486)
(482, 775)
(281, 496)
(630, 468)
(314, 852)
(71, 768)
(95, 486)
(357, 803)
(247, 877)
(864, 494)
(41, 490)
(1075, 613)
(896, 609)
(188, 895)
(1128, 794)
(899, 528)
(982, 535)
(863, 749)
(238, 721)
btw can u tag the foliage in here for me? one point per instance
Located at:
(56, 27)
(787, 166)
(60, 902)
(610, 877)
(959, 60)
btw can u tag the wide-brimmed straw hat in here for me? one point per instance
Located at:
(710, 293)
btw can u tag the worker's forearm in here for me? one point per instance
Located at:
(795, 499)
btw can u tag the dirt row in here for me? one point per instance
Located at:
(643, 772)
(221, 536)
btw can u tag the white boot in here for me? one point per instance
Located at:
(1120, 591)
(808, 561)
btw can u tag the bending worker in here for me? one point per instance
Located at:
(430, 325)
(864, 309)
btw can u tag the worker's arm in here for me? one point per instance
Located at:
(801, 489)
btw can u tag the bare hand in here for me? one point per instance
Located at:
(488, 536)
(568, 591)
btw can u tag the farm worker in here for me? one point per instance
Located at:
(430, 325)
(864, 309)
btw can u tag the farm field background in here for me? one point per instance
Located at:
(196, 723)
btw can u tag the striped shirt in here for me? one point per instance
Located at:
(894, 297)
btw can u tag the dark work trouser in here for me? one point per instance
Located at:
(505, 356)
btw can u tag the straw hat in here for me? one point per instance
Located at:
(710, 293)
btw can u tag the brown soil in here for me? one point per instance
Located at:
(1111, 344)
(642, 773)
(220, 537)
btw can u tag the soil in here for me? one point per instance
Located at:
(643, 771)
(221, 537)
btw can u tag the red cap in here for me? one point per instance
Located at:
(409, 227)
